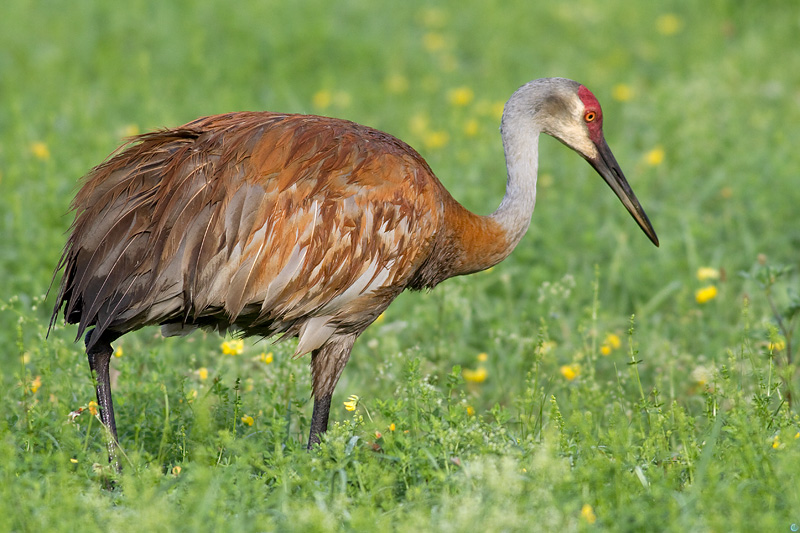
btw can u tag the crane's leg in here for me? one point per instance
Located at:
(327, 363)
(99, 353)
(319, 419)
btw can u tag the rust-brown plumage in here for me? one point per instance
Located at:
(269, 224)
(256, 220)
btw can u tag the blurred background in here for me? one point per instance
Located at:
(560, 408)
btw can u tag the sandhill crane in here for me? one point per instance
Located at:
(298, 225)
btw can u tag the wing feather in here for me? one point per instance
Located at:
(269, 223)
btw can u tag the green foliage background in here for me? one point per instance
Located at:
(697, 434)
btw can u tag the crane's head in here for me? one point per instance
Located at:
(569, 111)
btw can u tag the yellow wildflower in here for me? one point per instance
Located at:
(776, 442)
(706, 294)
(233, 347)
(396, 83)
(418, 123)
(571, 372)
(322, 99)
(621, 92)
(588, 513)
(433, 41)
(202, 373)
(40, 151)
(118, 352)
(392, 427)
(435, 139)
(483, 357)
(73, 460)
(130, 130)
(266, 357)
(247, 419)
(36, 383)
(470, 410)
(613, 340)
(655, 156)
(351, 403)
(176, 470)
(776, 346)
(460, 96)
(706, 273)
(381, 318)
(668, 24)
(475, 376)
(92, 408)
(610, 343)
(797, 435)
(471, 127)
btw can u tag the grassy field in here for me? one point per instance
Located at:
(589, 382)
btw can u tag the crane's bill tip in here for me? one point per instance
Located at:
(654, 239)
(648, 230)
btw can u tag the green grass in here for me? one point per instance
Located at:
(685, 426)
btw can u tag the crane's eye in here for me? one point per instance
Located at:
(590, 116)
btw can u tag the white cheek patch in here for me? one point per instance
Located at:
(574, 133)
(577, 137)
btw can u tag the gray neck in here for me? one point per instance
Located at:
(521, 146)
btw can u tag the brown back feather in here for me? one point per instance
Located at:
(257, 220)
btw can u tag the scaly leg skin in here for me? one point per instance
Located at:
(99, 354)
(319, 419)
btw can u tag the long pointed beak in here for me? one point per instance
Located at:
(606, 165)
